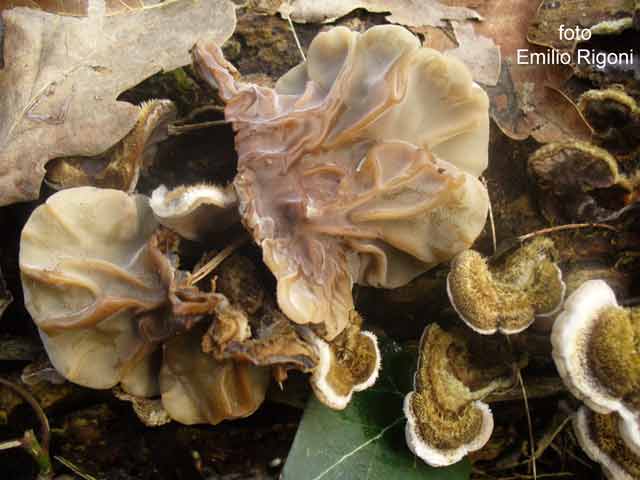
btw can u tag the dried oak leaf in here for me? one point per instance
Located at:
(62, 75)
(413, 13)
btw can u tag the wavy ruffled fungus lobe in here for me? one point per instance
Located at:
(506, 298)
(349, 363)
(359, 167)
(595, 351)
(198, 389)
(445, 418)
(87, 273)
(196, 211)
(600, 438)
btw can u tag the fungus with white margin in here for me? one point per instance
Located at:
(446, 419)
(507, 297)
(196, 211)
(595, 351)
(360, 166)
(599, 437)
(349, 363)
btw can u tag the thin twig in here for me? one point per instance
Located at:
(45, 431)
(39, 450)
(295, 35)
(560, 228)
(212, 264)
(174, 129)
(530, 424)
(491, 222)
(74, 468)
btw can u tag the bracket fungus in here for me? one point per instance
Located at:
(446, 418)
(599, 437)
(349, 363)
(195, 211)
(595, 351)
(582, 181)
(506, 297)
(360, 166)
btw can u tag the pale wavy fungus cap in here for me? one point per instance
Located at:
(446, 419)
(196, 211)
(599, 437)
(359, 167)
(87, 275)
(196, 388)
(595, 351)
(508, 297)
(102, 285)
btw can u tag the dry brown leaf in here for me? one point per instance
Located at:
(527, 98)
(479, 53)
(62, 76)
(76, 7)
(411, 13)
(551, 14)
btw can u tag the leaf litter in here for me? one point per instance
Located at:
(62, 76)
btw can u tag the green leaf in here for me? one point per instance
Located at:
(365, 440)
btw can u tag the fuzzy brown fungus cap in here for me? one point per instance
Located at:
(595, 351)
(197, 211)
(196, 388)
(615, 118)
(599, 437)
(446, 418)
(506, 297)
(88, 274)
(120, 166)
(359, 167)
(580, 181)
(349, 363)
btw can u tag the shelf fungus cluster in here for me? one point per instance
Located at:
(446, 417)
(509, 296)
(595, 351)
(583, 181)
(360, 166)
